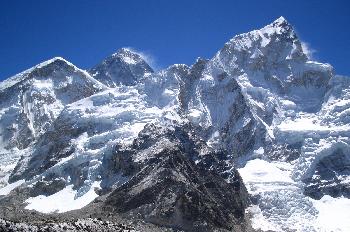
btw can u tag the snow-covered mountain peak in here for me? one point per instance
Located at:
(281, 22)
(273, 58)
(54, 59)
(32, 100)
(177, 68)
(280, 27)
(125, 67)
(128, 56)
(279, 35)
(44, 69)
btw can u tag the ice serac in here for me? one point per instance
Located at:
(32, 100)
(330, 170)
(124, 67)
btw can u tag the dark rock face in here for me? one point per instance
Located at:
(47, 187)
(171, 178)
(329, 175)
(50, 148)
(284, 152)
(169, 189)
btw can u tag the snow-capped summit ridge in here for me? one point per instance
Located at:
(125, 67)
(280, 27)
(55, 59)
(281, 21)
(125, 50)
(281, 24)
(127, 55)
(23, 75)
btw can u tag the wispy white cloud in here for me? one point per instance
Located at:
(310, 52)
(147, 56)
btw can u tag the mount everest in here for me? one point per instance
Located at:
(254, 139)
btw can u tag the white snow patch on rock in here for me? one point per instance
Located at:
(129, 60)
(194, 116)
(261, 171)
(8, 188)
(62, 201)
(334, 214)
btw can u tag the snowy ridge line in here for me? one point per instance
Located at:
(11, 81)
(7, 83)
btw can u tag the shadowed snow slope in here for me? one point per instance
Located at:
(259, 106)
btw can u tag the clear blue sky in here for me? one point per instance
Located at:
(84, 32)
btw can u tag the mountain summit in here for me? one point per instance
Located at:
(256, 138)
(124, 67)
